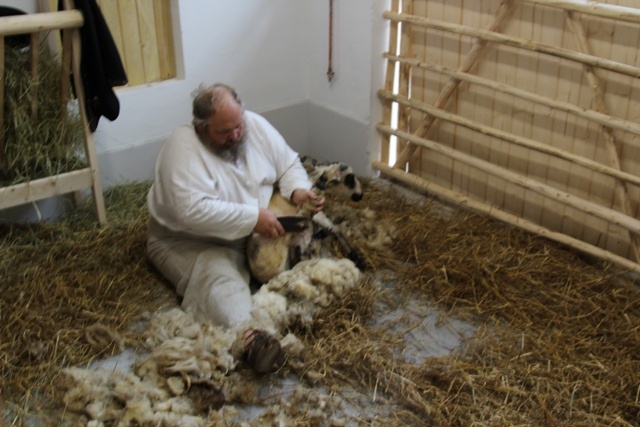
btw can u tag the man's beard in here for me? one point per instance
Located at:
(231, 150)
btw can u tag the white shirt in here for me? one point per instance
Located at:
(198, 193)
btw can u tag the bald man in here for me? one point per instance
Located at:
(213, 182)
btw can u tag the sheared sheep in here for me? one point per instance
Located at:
(268, 257)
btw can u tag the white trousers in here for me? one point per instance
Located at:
(212, 278)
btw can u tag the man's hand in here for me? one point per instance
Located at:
(268, 224)
(300, 196)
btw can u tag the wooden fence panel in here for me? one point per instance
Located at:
(542, 103)
(143, 33)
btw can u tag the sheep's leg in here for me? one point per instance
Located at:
(299, 247)
(295, 255)
(327, 226)
(352, 253)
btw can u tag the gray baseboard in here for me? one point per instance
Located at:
(130, 164)
(336, 137)
(313, 130)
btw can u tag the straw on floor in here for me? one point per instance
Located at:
(556, 338)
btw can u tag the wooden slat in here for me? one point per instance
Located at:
(164, 37)
(552, 193)
(2, 53)
(491, 36)
(35, 80)
(34, 22)
(131, 36)
(89, 142)
(111, 13)
(43, 188)
(65, 69)
(404, 76)
(514, 139)
(149, 41)
(594, 8)
(598, 117)
(389, 82)
(492, 211)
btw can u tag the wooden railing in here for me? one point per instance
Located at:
(68, 23)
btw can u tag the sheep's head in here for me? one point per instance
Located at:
(337, 179)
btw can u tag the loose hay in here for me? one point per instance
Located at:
(42, 135)
(61, 279)
(556, 336)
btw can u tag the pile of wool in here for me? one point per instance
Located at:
(295, 296)
(178, 343)
(117, 398)
(362, 225)
(182, 353)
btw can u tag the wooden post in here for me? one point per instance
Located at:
(600, 9)
(65, 71)
(89, 141)
(26, 24)
(404, 78)
(2, 156)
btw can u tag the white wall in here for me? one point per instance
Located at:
(252, 45)
(275, 52)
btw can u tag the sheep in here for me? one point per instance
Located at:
(267, 257)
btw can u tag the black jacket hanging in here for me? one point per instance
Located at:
(101, 68)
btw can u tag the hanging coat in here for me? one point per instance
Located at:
(101, 68)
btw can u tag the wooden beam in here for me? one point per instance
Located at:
(493, 37)
(621, 190)
(89, 142)
(388, 84)
(598, 117)
(470, 60)
(35, 80)
(586, 206)
(34, 22)
(463, 201)
(2, 59)
(592, 165)
(43, 188)
(599, 9)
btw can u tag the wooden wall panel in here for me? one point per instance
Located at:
(563, 75)
(142, 31)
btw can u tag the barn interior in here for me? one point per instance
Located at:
(496, 144)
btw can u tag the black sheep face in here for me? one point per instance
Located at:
(342, 181)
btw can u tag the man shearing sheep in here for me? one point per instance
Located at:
(213, 182)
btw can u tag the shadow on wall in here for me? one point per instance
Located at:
(324, 134)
